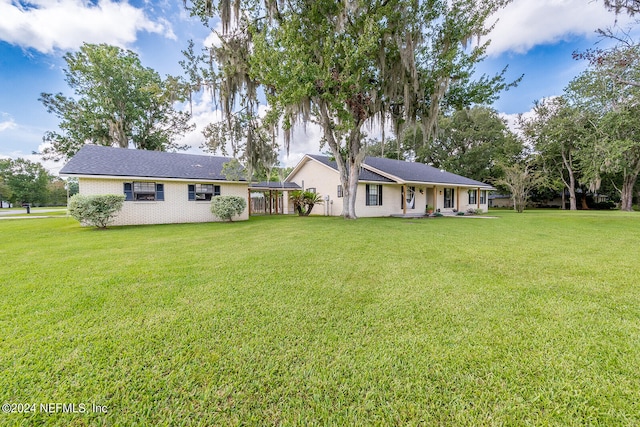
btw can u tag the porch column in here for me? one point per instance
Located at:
(435, 199)
(270, 200)
(404, 199)
(285, 202)
(276, 202)
(458, 198)
(249, 200)
(478, 196)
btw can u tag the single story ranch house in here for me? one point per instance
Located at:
(390, 187)
(161, 187)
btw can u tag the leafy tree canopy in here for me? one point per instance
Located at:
(118, 102)
(616, 123)
(471, 142)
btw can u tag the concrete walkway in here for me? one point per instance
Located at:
(444, 215)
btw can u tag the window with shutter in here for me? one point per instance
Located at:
(143, 191)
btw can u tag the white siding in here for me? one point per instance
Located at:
(176, 207)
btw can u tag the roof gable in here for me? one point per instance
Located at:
(365, 174)
(110, 161)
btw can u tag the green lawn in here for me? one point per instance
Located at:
(530, 319)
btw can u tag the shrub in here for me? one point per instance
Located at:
(97, 210)
(304, 201)
(226, 207)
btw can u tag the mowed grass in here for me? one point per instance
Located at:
(527, 319)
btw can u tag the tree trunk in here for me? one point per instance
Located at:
(309, 208)
(584, 199)
(571, 185)
(520, 203)
(354, 172)
(628, 183)
(572, 192)
(348, 170)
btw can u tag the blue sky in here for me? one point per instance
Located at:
(534, 37)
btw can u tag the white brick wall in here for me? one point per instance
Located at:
(176, 207)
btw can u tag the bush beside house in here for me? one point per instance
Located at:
(96, 210)
(226, 207)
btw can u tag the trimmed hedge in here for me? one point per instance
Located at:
(97, 210)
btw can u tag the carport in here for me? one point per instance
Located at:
(270, 198)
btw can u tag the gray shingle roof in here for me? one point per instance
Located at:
(419, 172)
(365, 174)
(405, 171)
(110, 161)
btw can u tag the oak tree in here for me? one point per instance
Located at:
(344, 66)
(118, 102)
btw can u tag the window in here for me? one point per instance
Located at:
(143, 191)
(203, 192)
(374, 195)
(411, 198)
(483, 197)
(448, 197)
(472, 197)
(339, 190)
(312, 190)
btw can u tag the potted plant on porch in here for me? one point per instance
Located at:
(429, 209)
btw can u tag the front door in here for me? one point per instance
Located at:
(448, 197)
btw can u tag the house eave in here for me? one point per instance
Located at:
(148, 178)
(434, 184)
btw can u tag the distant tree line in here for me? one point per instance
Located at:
(24, 181)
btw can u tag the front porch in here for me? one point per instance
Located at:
(417, 200)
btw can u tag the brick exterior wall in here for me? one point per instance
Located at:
(176, 207)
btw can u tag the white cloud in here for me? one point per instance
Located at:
(304, 140)
(524, 24)
(203, 112)
(213, 39)
(46, 25)
(7, 124)
(52, 166)
(513, 119)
